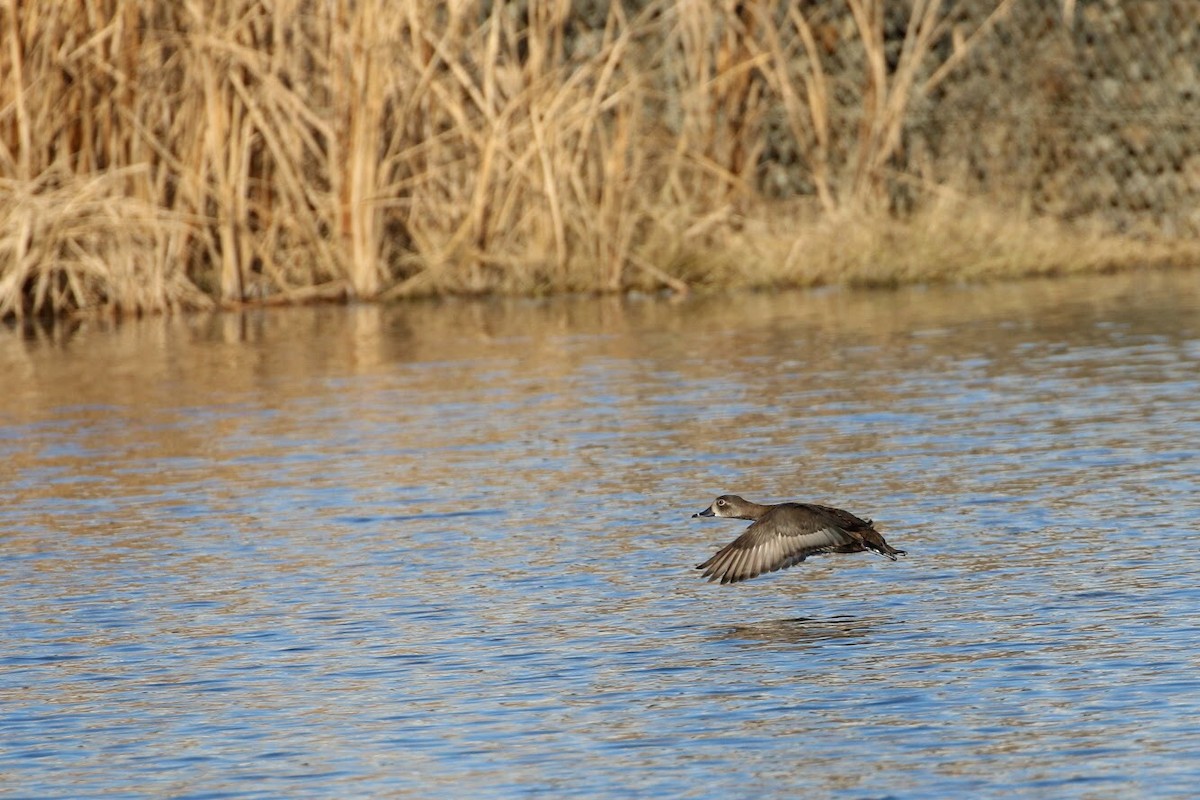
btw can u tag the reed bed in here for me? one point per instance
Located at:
(162, 156)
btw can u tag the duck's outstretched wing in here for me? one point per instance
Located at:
(772, 544)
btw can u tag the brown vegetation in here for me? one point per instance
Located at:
(186, 155)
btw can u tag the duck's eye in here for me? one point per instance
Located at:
(721, 504)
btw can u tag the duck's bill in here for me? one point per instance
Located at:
(708, 512)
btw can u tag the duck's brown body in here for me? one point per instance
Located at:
(784, 535)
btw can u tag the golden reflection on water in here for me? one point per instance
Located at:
(169, 359)
(124, 392)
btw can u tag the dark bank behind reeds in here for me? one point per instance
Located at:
(158, 156)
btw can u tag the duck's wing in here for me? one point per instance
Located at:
(776, 541)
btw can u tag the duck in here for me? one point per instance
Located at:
(784, 534)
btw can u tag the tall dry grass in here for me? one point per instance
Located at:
(156, 156)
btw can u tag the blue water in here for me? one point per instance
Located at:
(447, 549)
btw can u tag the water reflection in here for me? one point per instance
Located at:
(803, 631)
(447, 548)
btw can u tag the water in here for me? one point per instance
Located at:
(447, 549)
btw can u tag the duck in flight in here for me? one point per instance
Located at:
(783, 535)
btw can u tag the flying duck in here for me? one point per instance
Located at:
(784, 535)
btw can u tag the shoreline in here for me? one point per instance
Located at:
(701, 293)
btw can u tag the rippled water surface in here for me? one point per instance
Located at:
(447, 549)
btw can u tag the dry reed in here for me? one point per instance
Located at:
(185, 155)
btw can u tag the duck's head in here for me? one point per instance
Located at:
(727, 505)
